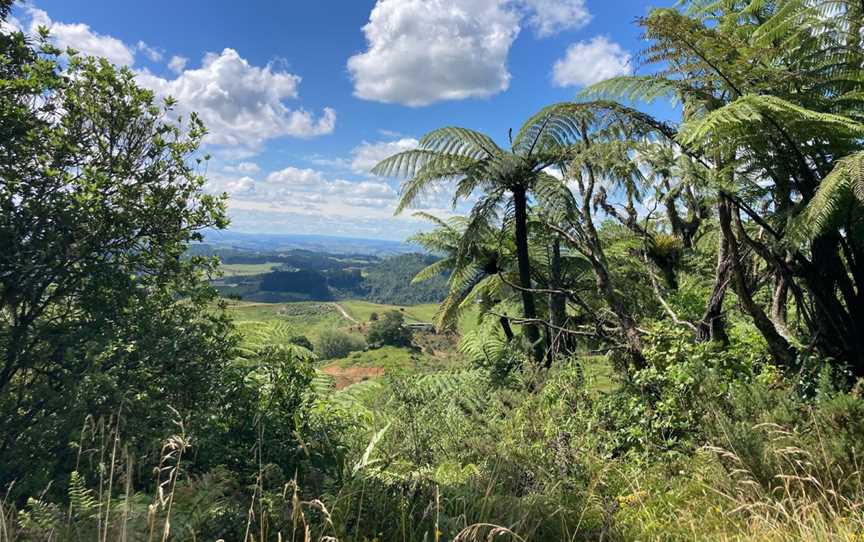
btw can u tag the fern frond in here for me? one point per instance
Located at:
(633, 88)
(460, 141)
(842, 188)
(433, 270)
(740, 114)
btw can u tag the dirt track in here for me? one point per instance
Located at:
(344, 313)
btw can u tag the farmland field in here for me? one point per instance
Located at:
(277, 323)
(246, 269)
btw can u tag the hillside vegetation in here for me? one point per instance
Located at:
(305, 276)
(391, 281)
(647, 330)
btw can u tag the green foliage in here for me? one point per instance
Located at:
(106, 316)
(389, 330)
(302, 340)
(838, 201)
(101, 193)
(390, 282)
(334, 344)
(265, 396)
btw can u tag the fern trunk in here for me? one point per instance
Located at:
(557, 303)
(779, 347)
(532, 329)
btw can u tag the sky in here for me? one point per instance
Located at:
(302, 98)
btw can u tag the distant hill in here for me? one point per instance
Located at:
(390, 281)
(304, 275)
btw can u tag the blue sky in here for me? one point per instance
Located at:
(303, 96)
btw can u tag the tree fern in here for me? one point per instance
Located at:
(840, 193)
(741, 114)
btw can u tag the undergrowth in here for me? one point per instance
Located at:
(681, 451)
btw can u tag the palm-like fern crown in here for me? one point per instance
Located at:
(473, 258)
(774, 88)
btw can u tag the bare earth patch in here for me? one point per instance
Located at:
(345, 376)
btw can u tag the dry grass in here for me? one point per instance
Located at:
(808, 497)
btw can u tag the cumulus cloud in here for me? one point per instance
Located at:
(82, 38)
(177, 63)
(548, 17)
(316, 201)
(243, 186)
(293, 177)
(424, 51)
(248, 167)
(589, 62)
(242, 105)
(290, 183)
(366, 155)
(304, 190)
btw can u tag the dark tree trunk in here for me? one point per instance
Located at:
(508, 331)
(619, 308)
(712, 327)
(779, 347)
(839, 320)
(532, 329)
(557, 302)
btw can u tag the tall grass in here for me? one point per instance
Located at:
(756, 481)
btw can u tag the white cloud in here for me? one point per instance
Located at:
(241, 105)
(309, 200)
(295, 177)
(290, 183)
(81, 38)
(304, 189)
(243, 185)
(243, 167)
(11, 24)
(155, 55)
(549, 17)
(248, 167)
(177, 63)
(589, 62)
(424, 51)
(366, 155)
(234, 186)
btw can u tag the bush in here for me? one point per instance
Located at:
(389, 331)
(302, 340)
(271, 392)
(333, 344)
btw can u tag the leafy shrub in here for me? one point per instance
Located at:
(269, 393)
(334, 344)
(389, 331)
(302, 340)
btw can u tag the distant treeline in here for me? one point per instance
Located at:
(390, 281)
(297, 258)
(322, 277)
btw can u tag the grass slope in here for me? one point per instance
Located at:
(301, 318)
(247, 269)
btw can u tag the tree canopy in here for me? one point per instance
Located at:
(100, 195)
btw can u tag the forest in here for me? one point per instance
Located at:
(651, 329)
(319, 276)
